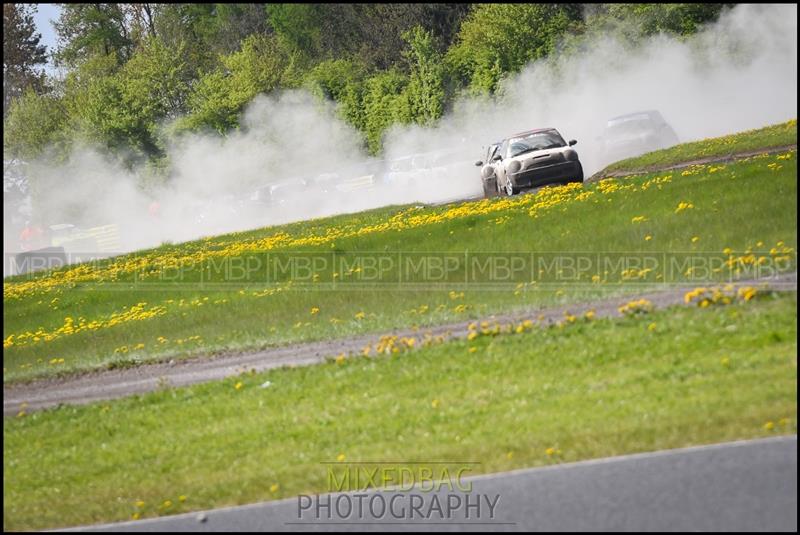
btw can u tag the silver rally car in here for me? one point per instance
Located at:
(528, 160)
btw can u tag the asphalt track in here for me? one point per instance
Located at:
(112, 384)
(735, 486)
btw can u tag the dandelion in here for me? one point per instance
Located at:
(509, 455)
(648, 237)
(135, 516)
(651, 327)
(360, 315)
(695, 239)
(167, 504)
(274, 488)
(639, 219)
(340, 458)
(181, 498)
(725, 361)
(769, 426)
(472, 335)
(314, 310)
(238, 386)
(340, 359)
(435, 403)
(589, 315)
(473, 349)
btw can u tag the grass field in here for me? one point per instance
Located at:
(779, 135)
(586, 389)
(130, 309)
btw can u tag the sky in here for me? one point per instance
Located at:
(46, 13)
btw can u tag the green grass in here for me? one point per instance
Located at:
(779, 135)
(746, 206)
(588, 389)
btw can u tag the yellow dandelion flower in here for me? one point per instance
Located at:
(340, 458)
(274, 488)
(435, 403)
(238, 386)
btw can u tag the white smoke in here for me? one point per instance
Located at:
(737, 74)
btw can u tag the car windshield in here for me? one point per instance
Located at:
(548, 139)
(631, 124)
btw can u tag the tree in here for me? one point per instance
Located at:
(384, 104)
(636, 21)
(22, 53)
(498, 39)
(425, 91)
(34, 123)
(262, 65)
(89, 29)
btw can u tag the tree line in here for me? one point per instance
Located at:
(135, 76)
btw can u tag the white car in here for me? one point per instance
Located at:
(532, 159)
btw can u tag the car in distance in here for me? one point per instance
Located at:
(531, 159)
(633, 134)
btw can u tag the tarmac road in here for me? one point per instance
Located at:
(742, 486)
(111, 384)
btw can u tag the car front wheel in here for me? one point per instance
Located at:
(509, 188)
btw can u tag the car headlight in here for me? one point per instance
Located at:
(571, 155)
(514, 166)
(487, 172)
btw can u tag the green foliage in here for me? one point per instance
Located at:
(647, 19)
(499, 39)
(34, 123)
(297, 24)
(341, 80)
(425, 90)
(88, 29)
(124, 109)
(22, 52)
(133, 69)
(262, 65)
(385, 103)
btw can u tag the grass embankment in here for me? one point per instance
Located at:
(126, 310)
(585, 389)
(779, 135)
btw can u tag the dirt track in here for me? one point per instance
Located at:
(111, 384)
(700, 161)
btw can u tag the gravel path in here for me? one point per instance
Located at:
(111, 384)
